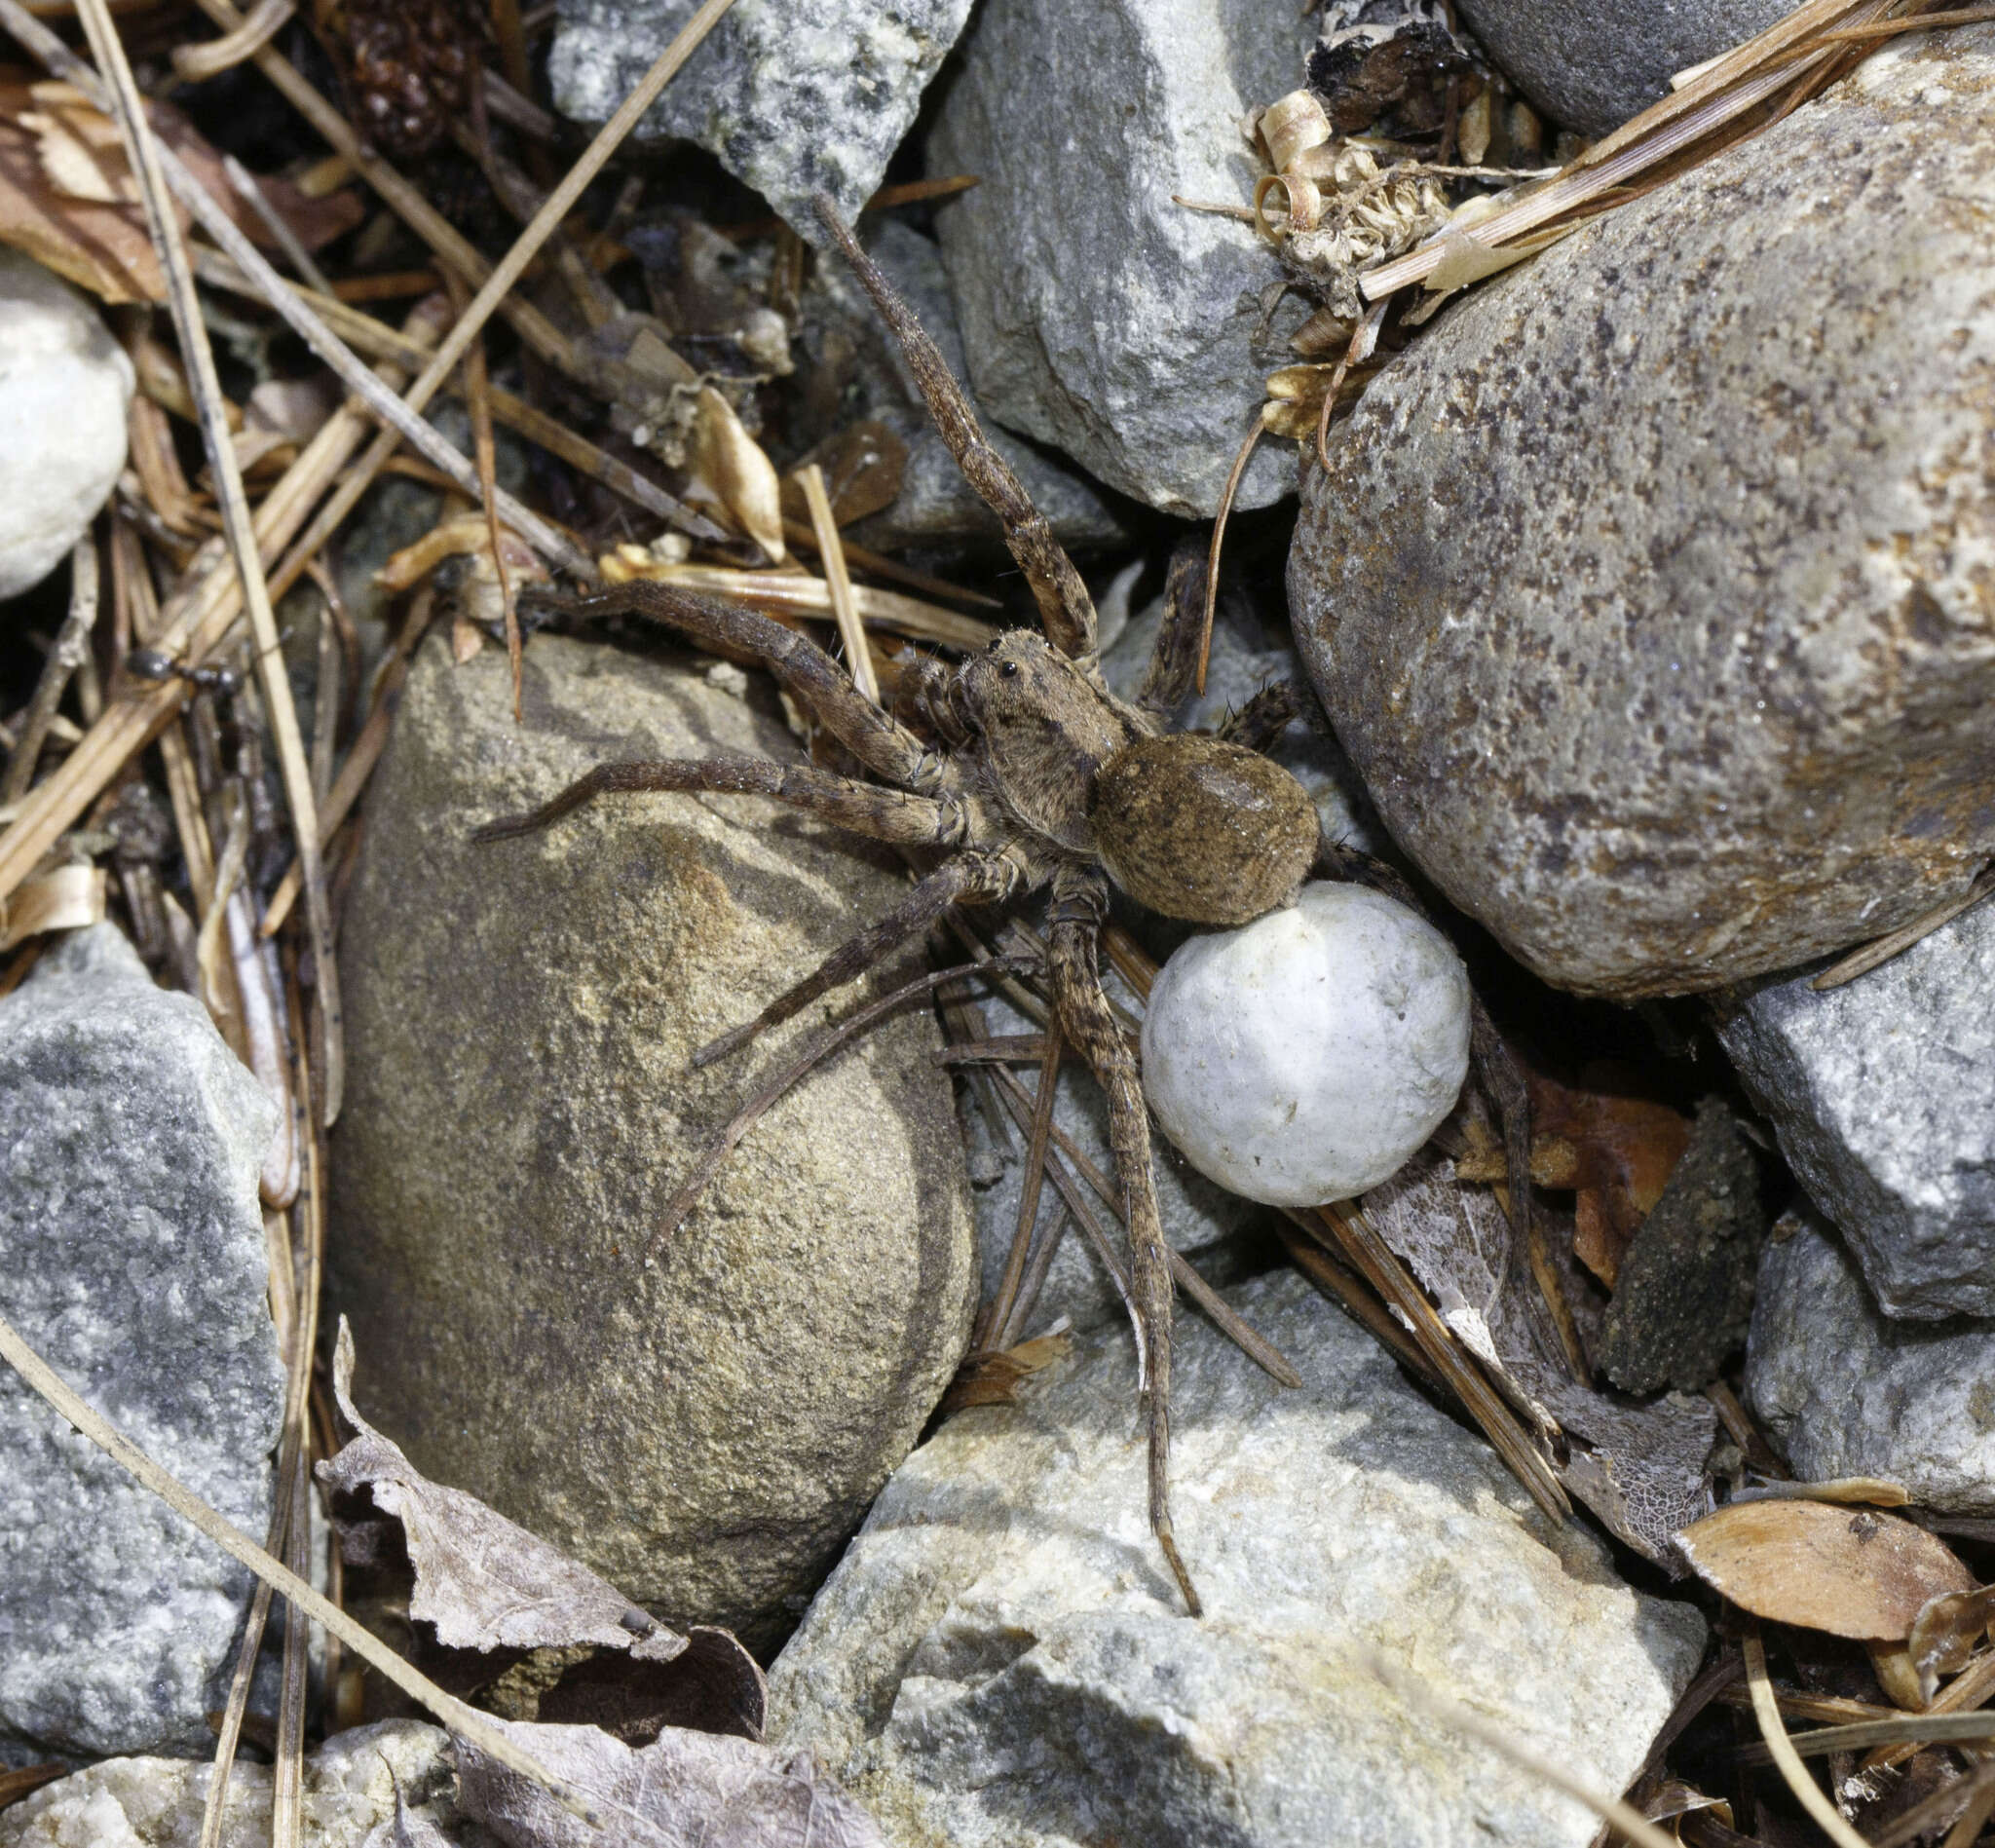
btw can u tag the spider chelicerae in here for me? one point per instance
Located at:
(1030, 774)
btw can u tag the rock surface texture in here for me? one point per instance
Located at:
(1099, 315)
(132, 1259)
(790, 104)
(1882, 1094)
(1846, 1391)
(65, 386)
(1001, 1659)
(521, 1105)
(1591, 67)
(843, 335)
(351, 1785)
(1650, 594)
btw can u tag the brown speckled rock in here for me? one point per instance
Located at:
(706, 1432)
(1654, 592)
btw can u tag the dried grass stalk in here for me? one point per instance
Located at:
(142, 151)
(837, 581)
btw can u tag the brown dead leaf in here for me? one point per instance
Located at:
(1947, 1632)
(688, 1790)
(992, 1379)
(863, 467)
(1623, 1145)
(68, 199)
(15, 1785)
(490, 1592)
(1853, 1573)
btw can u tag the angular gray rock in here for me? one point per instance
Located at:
(1644, 592)
(1000, 1658)
(350, 1786)
(64, 388)
(133, 1259)
(1099, 317)
(705, 1430)
(843, 335)
(1591, 67)
(1882, 1095)
(789, 104)
(1846, 1391)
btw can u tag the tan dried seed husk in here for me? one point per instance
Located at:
(66, 900)
(733, 465)
(1850, 1572)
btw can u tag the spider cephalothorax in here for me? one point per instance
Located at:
(1030, 774)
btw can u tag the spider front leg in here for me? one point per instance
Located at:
(1067, 612)
(886, 814)
(880, 743)
(1080, 908)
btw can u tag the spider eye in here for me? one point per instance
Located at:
(1010, 671)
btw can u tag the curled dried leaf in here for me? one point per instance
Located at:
(1291, 124)
(1851, 1572)
(1947, 1632)
(736, 472)
(466, 533)
(69, 898)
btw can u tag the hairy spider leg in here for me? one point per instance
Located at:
(880, 743)
(886, 814)
(1267, 716)
(973, 876)
(1174, 656)
(1074, 924)
(1067, 612)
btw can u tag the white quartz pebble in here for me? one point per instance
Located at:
(1303, 1057)
(65, 387)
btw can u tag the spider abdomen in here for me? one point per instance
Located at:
(1202, 830)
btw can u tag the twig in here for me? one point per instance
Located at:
(469, 1727)
(197, 63)
(1323, 1270)
(800, 594)
(1882, 949)
(197, 622)
(882, 566)
(142, 150)
(998, 1313)
(251, 189)
(65, 656)
(450, 244)
(1827, 1818)
(820, 1049)
(1212, 557)
(361, 759)
(1458, 1718)
(477, 395)
(837, 583)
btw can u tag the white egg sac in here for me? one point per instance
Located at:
(1303, 1057)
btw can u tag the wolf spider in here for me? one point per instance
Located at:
(1039, 777)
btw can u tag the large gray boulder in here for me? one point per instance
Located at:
(1591, 67)
(1099, 315)
(1882, 1094)
(1846, 1391)
(790, 104)
(65, 386)
(704, 1429)
(133, 1259)
(1645, 593)
(1001, 1659)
